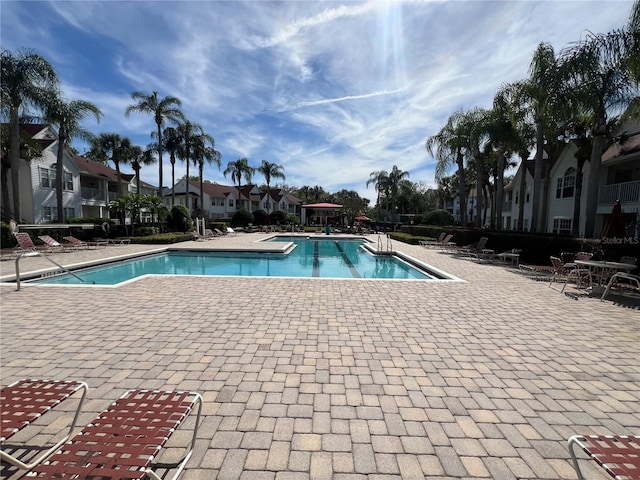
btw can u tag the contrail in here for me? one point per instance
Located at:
(342, 99)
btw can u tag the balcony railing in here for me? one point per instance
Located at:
(627, 192)
(92, 194)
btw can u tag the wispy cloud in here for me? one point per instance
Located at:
(326, 101)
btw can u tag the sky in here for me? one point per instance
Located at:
(331, 91)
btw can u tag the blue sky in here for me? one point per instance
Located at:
(332, 91)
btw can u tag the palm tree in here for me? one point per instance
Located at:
(396, 176)
(203, 150)
(67, 115)
(171, 144)
(448, 147)
(187, 133)
(270, 170)
(113, 147)
(238, 169)
(140, 158)
(162, 109)
(380, 181)
(26, 79)
(602, 84)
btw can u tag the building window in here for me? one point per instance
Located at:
(566, 185)
(50, 214)
(48, 179)
(231, 202)
(517, 198)
(562, 225)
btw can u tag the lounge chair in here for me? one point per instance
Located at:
(53, 244)
(82, 244)
(25, 243)
(197, 236)
(433, 243)
(476, 250)
(24, 401)
(561, 271)
(209, 234)
(618, 455)
(230, 231)
(125, 440)
(512, 256)
(625, 282)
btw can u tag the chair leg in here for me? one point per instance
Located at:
(572, 442)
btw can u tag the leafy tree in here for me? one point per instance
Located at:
(179, 219)
(270, 171)
(188, 133)
(113, 147)
(380, 181)
(162, 109)
(238, 169)
(171, 144)
(67, 115)
(140, 158)
(242, 218)
(26, 79)
(203, 150)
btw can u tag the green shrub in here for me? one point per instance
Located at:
(241, 218)
(179, 219)
(293, 219)
(163, 238)
(278, 217)
(145, 231)
(7, 240)
(438, 217)
(259, 217)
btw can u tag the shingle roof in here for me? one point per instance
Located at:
(91, 167)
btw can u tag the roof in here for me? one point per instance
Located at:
(617, 150)
(322, 205)
(97, 169)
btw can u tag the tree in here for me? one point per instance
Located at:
(187, 133)
(139, 158)
(203, 150)
(171, 144)
(162, 109)
(600, 79)
(238, 169)
(380, 181)
(448, 148)
(396, 176)
(67, 115)
(270, 170)
(26, 79)
(113, 147)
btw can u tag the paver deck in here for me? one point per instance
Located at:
(343, 379)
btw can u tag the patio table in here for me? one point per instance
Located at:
(602, 269)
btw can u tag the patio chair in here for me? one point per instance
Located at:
(82, 244)
(25, 243)
(568, 273)
(53, 244)
(197, 236)
(512, 256)
(210, 234)
(23, 402)
(623, 281)
(125, 440)
(618, 455)
(433, 243)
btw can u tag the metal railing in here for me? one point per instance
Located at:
(39, 254)
(627, 192)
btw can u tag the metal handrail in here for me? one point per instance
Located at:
(39, 254)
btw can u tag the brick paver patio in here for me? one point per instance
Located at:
(343, 379)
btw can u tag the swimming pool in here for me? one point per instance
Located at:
(324, 258)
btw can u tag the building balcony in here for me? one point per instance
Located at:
(94, 194)
(627, 192)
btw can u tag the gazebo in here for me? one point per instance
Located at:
(320, 213)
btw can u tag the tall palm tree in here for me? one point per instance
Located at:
(601, 82)
(396, 176)
(162, 109)
(140, 158)
(26, 79)
(380, 181)
(203, 150)
(68, 115)
(448, 147)
(171, 144)
(238, 169)
(112, 147)
(187, 133)
(270, 170)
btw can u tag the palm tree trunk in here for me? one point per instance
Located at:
(500, 189)
(173, 179)
(60, 178)
(593, 185)
(479, 192)
(523, 186)
(537, 177)
(14, 152)
(4, 176)
(159, 160)
(462, 188)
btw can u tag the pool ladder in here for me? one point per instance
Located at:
(39, 254)
(389, 246)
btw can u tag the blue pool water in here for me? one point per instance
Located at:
(310, 258)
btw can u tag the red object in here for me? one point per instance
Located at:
(619, 455)
(614, 231)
